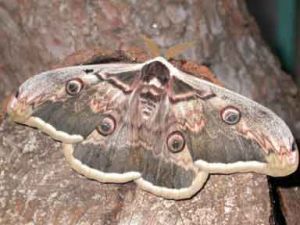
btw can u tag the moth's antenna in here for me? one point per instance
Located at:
(176, 50)
(170, 53)
(153, 48)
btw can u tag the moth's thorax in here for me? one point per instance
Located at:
(155, 73)
(154, 78)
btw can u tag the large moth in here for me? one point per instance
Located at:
(150, 122)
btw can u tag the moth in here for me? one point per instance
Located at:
(152, 123)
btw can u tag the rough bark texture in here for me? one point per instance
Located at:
(38, 187)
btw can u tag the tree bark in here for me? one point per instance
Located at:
(38, 187)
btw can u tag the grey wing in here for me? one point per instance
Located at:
(259, 141)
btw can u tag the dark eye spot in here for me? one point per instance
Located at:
(106, 126)
(230, 115)
(175, 142)
(73, 87)
(17, 93)
(294, 146)
(88, 70)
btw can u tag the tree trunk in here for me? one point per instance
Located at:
(36, 184)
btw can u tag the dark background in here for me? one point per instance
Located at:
(279, 22)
